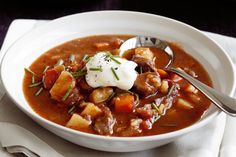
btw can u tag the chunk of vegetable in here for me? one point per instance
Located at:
(162, 73)
(124, 103)
(101, 94)
(164, 86)
(184, 104)
(63, 84)
(191, 89)
(59, 68)
(194, 97)
(144, 52)
(91, 110)
(77, 122)
(102, 45)
(50, 78)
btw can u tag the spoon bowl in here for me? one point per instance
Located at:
(222, 101)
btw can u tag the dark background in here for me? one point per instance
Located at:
(217, 16)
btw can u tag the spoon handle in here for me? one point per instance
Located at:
(222, 101)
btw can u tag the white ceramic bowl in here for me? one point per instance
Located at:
(23, 52)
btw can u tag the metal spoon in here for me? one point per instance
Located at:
(222, 101)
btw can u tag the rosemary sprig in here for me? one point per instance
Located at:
(114, 73)
(67, 93)
(39, 91)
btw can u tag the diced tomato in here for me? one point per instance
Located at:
(124, 103)
(50, 78)
(162, 73)
(146, 125)
(175, 77)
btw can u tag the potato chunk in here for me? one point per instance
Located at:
(77, 122)
(184, 104)
(91, 110)
(65, 82)
(144, 52)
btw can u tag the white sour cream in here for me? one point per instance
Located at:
(99, 73)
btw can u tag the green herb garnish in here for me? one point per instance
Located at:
(72, 58)
(86, 58)
(30, 71)
(67, 93)
(114, 73)
(72, 109)
(59, 62)
(39, 91)
(96, 69)
(141, 70)
(112, 58)
(79, 73)
(35, 84)
(32, 79)
(46, 68)
(115, 60)
(154, 105)
(171, 90)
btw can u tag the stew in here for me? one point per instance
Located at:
(84, 85)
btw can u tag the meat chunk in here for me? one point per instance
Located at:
(147, 83)
(104, 124)
(144, 52)
(146, 64)
(83, 85)
(74, 97)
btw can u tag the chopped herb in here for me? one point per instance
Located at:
(79, 73)
(154, 106)
(156, 118)
(111, 96)
(96, 69)
(171, 90)
(46, 68)
(86, 58)
(115, 60)
(67, 93)
(72, 58)
(72, 109)
(112, 58)
(32, 79)
(114, 73)
(39, 91)
(35, 84)
(141, 70)
(168, 125)
(30, 71)
(59, 62)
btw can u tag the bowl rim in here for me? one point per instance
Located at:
(168, 135)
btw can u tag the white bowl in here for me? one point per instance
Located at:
(23, 52)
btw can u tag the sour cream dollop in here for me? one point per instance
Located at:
(103, 71)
